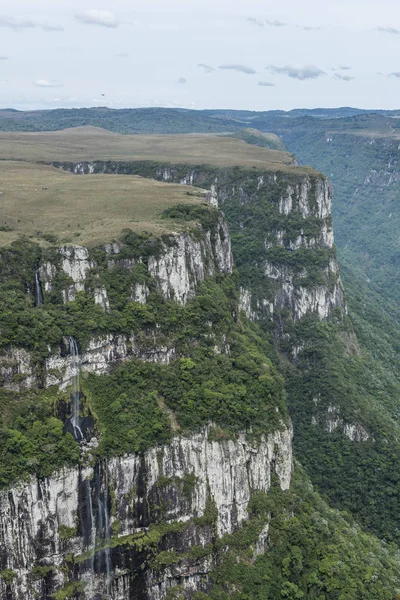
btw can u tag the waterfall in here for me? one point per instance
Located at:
(92, 522)
(73, 348)
(103, 525)
(38, 289)
(107, 532)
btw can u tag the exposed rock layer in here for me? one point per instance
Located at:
(44, 521)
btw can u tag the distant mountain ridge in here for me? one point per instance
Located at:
(179, 120)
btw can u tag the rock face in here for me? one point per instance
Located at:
(311, 202)
(139, 525)
(107, 517)
(100, 356)
(177, 270)
(331, 421)
(294, 201)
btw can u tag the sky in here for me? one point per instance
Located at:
(239, 54)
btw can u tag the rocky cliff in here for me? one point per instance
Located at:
(175, 270)
(296, 223)
(142, 522)
(139, 523)
(100, 527)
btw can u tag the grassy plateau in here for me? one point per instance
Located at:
(38, 199)
(91, 143)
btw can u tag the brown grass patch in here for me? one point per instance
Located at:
(36, 200)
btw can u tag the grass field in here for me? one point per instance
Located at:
(37, 200)
(91, 143)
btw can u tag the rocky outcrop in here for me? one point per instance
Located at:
(59, 522)
(180, 268)
(331, 421)
(177, 269)
(101, 356)
(17, 370)
(320, 299)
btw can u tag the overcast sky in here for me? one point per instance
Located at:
(248, 54)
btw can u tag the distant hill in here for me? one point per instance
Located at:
(256, 138)
(168, 120)
(140, 120)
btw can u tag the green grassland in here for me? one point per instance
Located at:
(257, 138)
(91, 143)
(39, 200)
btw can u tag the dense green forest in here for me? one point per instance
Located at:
(335, 375)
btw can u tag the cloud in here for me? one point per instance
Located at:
(122, 55)
(103, 18)
(50, 27)
(311, 28)
(263, 22)
(302, 73)
(254, 21)
(20, 24)
(342, 77)
(239, 68)
(342, 68)
(390, 30)
(182, 80)
(44, 83)
(266, 84)
(275, 23)
(396, 74)
(206, 68)
(3, 57)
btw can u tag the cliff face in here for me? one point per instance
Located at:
(141, 524)
(94, 524)
(137, 525)
(176, 270)
(295, 222)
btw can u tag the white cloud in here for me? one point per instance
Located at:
(50, 27)
(343, 77)
(239, 69)
(302, 73)
(3, 57)
(263, 22)
(103, 18)
(266, 84)
(182, 80)
(20, 24)
(254, 21)
(44, 83)
(275, 23)
(390, 30)
(206, 68)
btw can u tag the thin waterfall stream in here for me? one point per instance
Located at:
(38, 289)
(101, 498)
(107, 532)
(88, 492)
(103, 525)
(75, 419)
